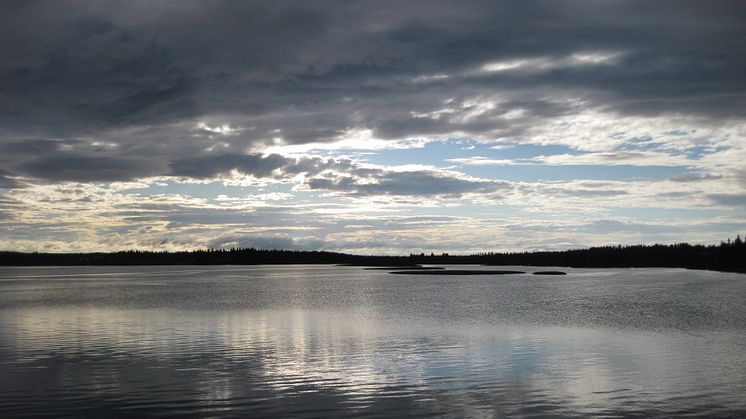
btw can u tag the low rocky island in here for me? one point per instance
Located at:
(404, 268)
(550, 273)
(455, 272)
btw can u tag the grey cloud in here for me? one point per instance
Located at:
(266, 242)
(615, 226)
(7, 181)
(695, 177)
(424, 183)
(577, 192)
(84, 74)
(675, 195)
(653, 230)
(307, 71)
(426, 219)
(33, 147)
(8, 207)
(89, 168)
(211, 166)
(176, 213)
(339, 175)
(731, 200)
(403, 244)
(257, 165)
(74, 160)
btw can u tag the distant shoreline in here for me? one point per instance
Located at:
(726, 257)
(391, 270)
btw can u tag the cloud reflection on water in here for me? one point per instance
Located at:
(253, 360)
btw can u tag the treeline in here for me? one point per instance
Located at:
(725, 257)
(195, 257)
(728, 256)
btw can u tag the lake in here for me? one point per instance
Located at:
(344, 341)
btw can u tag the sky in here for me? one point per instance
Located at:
(370, 127)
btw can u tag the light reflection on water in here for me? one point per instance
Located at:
(322, 341)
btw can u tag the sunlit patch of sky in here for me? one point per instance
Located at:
(696, 153)
(644, 142)
(207, 190)
(437, 153)
(197, 190)
(536, 173)
(525, 169)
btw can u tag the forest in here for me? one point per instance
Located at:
(729, 256)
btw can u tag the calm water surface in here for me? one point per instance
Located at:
(331, 341)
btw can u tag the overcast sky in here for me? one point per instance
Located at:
(371, 127)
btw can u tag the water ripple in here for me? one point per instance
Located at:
(342, 341)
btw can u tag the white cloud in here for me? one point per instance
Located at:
(540, 64)
(224, 129)
(482, 161)
(632, 158)
(350, 139)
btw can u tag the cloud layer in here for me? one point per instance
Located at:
(328, 103)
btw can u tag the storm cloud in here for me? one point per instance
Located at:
(309, 71)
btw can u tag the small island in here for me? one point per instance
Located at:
(456, 272)
(404, 268)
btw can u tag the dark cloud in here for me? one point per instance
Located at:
(211, 166)
(307, 71)
(89, 168)
(257, 165)
(82, 73)
(7, 181)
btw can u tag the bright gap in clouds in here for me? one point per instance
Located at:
(537, 64)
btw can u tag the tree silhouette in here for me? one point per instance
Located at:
(728, 256)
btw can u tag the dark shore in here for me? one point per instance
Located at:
(727, 257)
